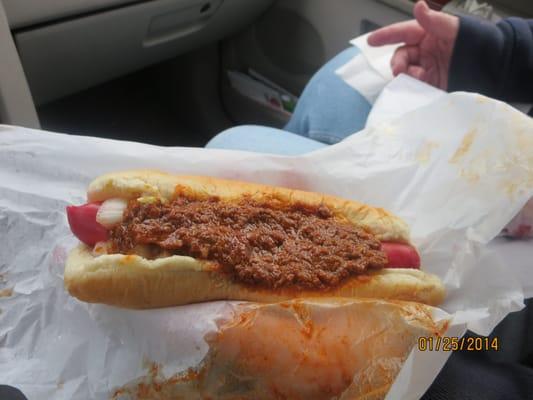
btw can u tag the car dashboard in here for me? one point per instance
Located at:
(66, 46)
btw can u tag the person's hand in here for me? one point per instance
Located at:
(429, 42)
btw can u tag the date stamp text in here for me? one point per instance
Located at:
(451, 343)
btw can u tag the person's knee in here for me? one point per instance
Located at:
(263, 139)
(329, 109)
(233, 136)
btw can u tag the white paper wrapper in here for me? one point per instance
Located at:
(370, 74)
(457, 170)
(301, 349)
(400, 96)
(369, 71)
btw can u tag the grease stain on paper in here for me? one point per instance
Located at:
(510, 188)
(424, 153)
(513, 159)
(6, 292)
(464, 147)
(388, 129)
(520, 158)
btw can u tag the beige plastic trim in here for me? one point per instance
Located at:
(67, 57)
(21, 13)
(16, 104)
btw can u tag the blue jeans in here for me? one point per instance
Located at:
(328, 111)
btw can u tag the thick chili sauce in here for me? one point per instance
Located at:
(270, 245)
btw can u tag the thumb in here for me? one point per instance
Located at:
(437, 23)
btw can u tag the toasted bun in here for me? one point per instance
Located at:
(134, 282)
(315, 349)
(134, 184)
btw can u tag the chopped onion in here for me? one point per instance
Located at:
(111, 212)
(147, 200)
(100, 248)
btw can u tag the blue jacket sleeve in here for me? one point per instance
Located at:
(494, 59)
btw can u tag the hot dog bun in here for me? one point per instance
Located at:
(134, 184)
(135, 282)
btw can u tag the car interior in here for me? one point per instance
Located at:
(157, 71)
(174, 72)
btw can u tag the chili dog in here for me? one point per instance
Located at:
(151, 239)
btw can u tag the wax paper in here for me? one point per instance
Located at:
(323, 348)
(370, 74)
(457, 170)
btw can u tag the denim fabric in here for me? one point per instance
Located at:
(262, 139)
(328, 111)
